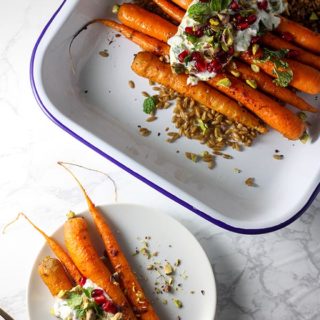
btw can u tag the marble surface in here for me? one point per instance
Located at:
(272, 276)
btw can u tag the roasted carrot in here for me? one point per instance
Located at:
(53, 275)
(305, 78)
(84, 255)
(301, 55)
(150, 24)
(302, 35)
(265, 83)
(149, 66)
(184, 4)
(267, 109)
(60, 253)
(128, 280)
(170, 9)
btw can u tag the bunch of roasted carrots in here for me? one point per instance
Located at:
(253, 106)
(81, 262)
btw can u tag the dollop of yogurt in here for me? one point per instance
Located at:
(209, 34)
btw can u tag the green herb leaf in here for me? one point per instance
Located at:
(216, 5)
(149, 105)
(198, 10)
(191, 38)
(283, 77)
(75, 300)
(274, 55)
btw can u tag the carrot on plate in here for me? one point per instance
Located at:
(128, 280)
(267, 109)
(184, 4)
(301, 35)
(150, 24)
(59, 252)
(149, 66)
(54, 275)
(305, 78)
(86, 258)
(170, 9)
(297, 53)
(266, 84)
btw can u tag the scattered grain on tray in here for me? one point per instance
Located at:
(104, 53)
(250, 182)
(144, 132)
(278, 156)
(131, 84)
(145, 94)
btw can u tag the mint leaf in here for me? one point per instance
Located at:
(219, 5)
(225, 4)
(198, 9)
(74, 301)
(149, 105)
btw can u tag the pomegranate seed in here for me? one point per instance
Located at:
(287, 36)
(183, 55)
(204, 0)
(292, 53)
(231, 51)
(96, 293)
(201, 65)
(214, 66)
(189, 30)
(82, 281)
(195, 56)
(263, 5)
(251, 19)
(198, 33)
(100, 299)
(243, 25)
(255, 39)
(239, 18)
(234, 5)
(108, 306)
(222, 57)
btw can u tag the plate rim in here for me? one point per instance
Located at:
(144, 207)
(187, 205)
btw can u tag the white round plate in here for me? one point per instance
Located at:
(132, 223)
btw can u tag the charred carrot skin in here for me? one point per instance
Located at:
(301, 55)
(266, 84)
(54, 276)
(149, 66)
(150, 24)
(267, 109)
(84, 255)
(303, 36)
(305, 78)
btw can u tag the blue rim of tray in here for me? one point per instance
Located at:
(139, 176)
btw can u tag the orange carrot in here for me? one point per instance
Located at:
(302, 35)
(184, 4)
(146, 22)
(145, 42)
(170, 9)
(266, 84)
(60, 253)
(53, 275)
(267, 109)
(306, 57)
(149, 66)
(84, 255)
(305, 78)
(128, 280)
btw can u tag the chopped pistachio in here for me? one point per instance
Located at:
(168, 268)
(252, 83)
(150, 267)
(313, 17)
(165, 301)
(115, 8)
(235, 73)
(71, 214)
(214, 22)
(255, 48)
(255, 68)
(178, 261)
(177, 303)
(236, 170)
(170, 280)
(304, 138)
(225, 82)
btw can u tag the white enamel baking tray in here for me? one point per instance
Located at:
(96, 106)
